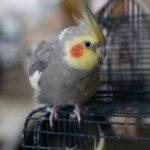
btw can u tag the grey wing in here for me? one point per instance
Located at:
(39, 59)
(39, 62)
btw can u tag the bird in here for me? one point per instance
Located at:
(66, 70)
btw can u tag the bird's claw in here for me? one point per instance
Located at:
(76, 114)
(53, 114)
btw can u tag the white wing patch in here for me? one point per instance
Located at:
(34, 79)
(61, 35)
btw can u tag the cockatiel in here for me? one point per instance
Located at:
(66, 70)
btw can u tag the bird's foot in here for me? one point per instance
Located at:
(76, 114)
(53, 114)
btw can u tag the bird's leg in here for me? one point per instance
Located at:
(53, 114)
(76, 113)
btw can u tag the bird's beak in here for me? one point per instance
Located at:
(101, 51)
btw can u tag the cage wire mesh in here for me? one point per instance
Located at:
(118, 116)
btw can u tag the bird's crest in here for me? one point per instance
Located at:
(86, 18)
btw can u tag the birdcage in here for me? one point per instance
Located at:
(118, 116)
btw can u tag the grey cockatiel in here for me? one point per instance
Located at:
(65, 71)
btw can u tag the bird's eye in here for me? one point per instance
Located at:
(88, 44)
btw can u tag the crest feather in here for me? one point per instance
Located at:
(86, 18)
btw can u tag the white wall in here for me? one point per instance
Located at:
(19, 5)
(98, 4)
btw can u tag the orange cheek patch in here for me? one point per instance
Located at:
(77, 51)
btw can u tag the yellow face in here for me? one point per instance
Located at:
(81, 53)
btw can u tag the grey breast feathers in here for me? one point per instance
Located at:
(56, 83)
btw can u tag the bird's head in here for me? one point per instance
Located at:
(83, 44)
